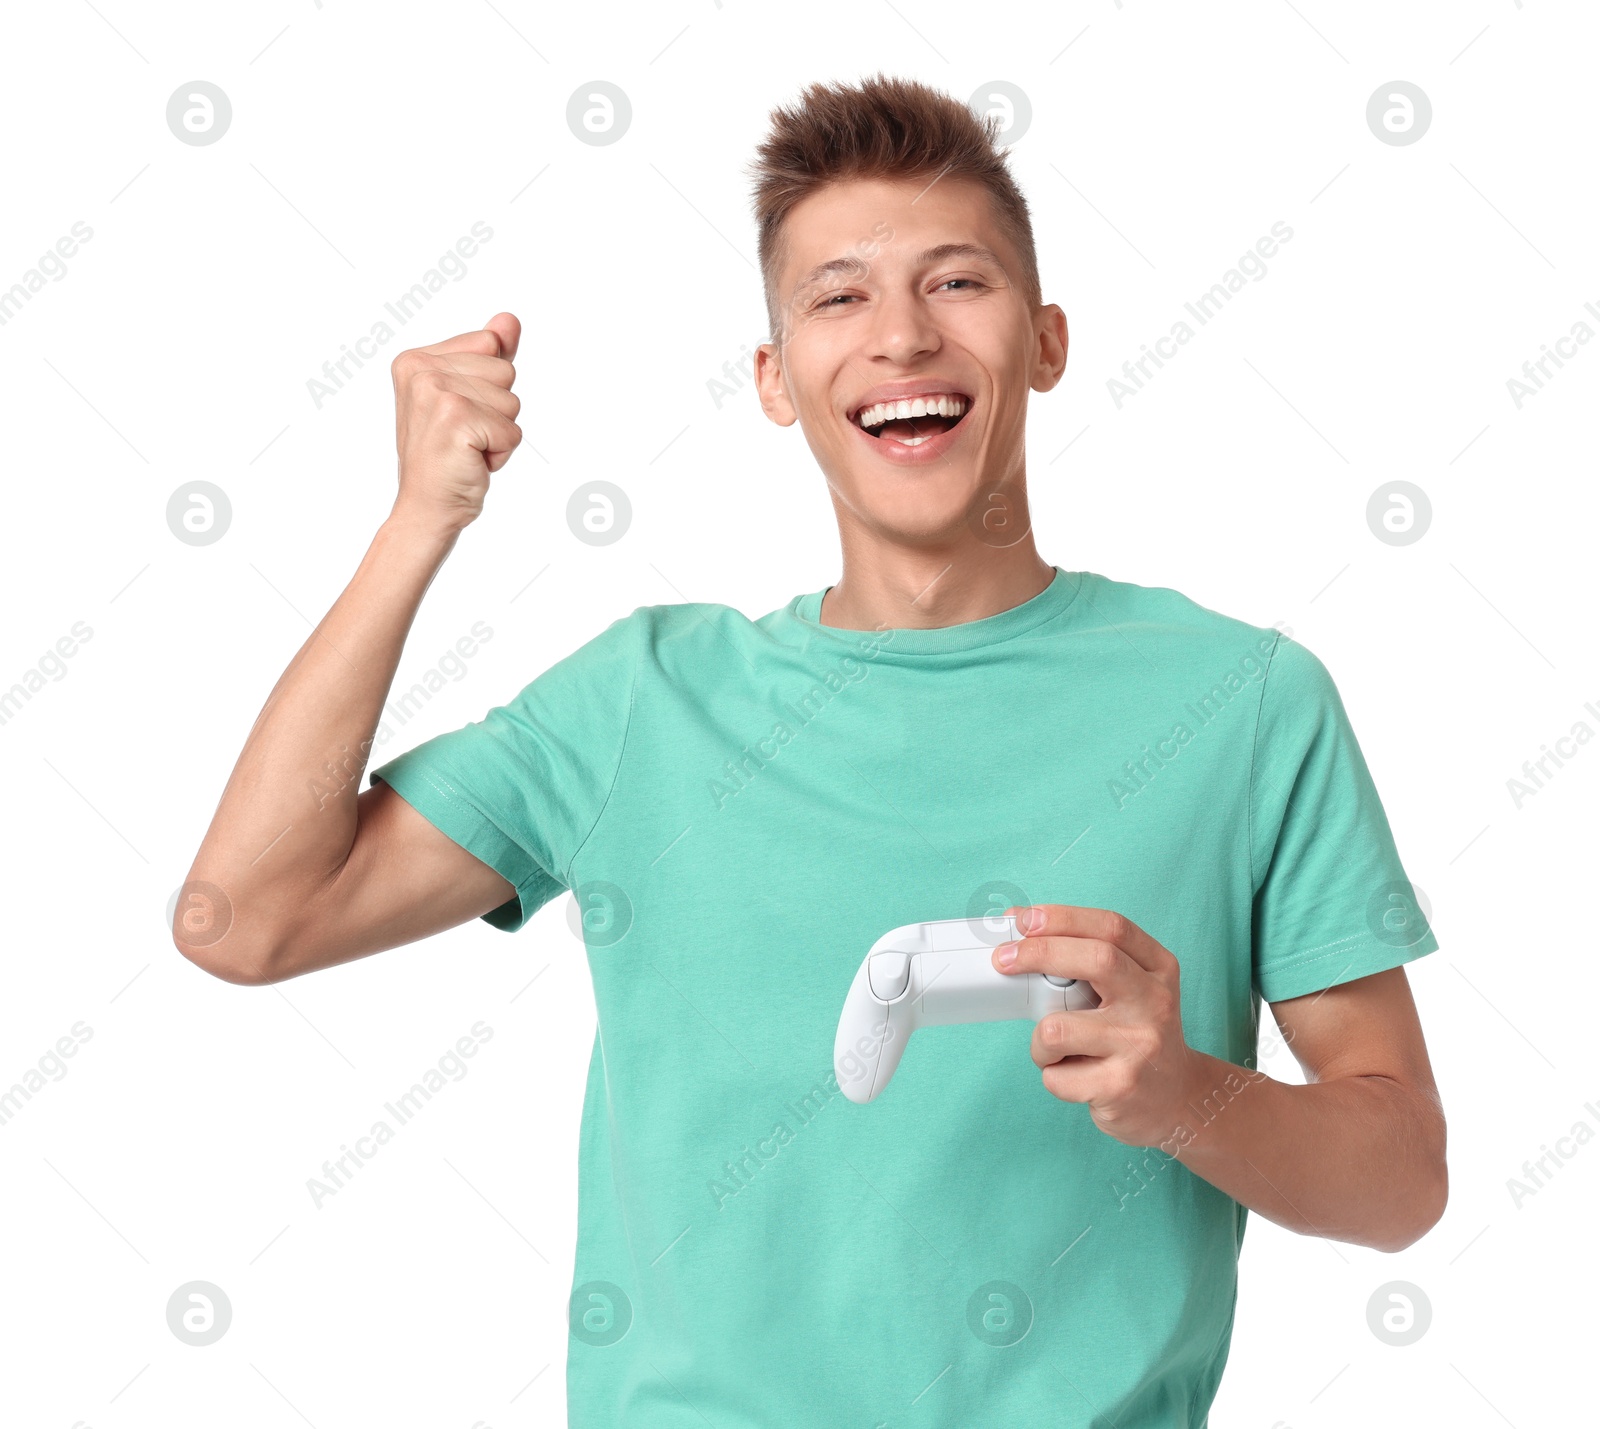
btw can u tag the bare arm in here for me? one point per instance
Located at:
(296, 871)
(1358, 1152)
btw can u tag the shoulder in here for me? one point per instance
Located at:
(647, 625)
(1177, 623)
(682, 637)
(697, 623)
(1203, 649)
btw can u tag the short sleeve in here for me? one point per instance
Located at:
(523, 787)
(1332, 901)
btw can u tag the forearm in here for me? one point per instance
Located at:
(287, 818)
(1356, 1159)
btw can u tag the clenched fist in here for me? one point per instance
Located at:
(454, 414)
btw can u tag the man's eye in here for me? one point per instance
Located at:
(973, 281)
(832, 298)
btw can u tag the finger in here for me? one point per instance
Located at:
(482, 389)
(1079, 1081)
(495, 398)
(1104, 966)
(479, 366)
(495, 436)
(1080, 1039)
(509, 329)
(1072, 1034)
(1069, 920)
(487, 341)
(456, 364)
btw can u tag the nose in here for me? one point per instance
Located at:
(902, 328)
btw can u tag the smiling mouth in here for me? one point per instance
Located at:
(883, 419)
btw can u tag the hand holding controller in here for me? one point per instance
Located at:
(935, 974)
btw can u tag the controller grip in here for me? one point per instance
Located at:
(870, 1041)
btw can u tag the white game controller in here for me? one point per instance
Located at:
(931, 975)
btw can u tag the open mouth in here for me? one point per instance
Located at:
(914, 421)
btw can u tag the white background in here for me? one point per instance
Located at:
(365, 140)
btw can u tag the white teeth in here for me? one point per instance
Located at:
(938, 404)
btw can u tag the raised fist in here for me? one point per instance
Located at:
(455, 421)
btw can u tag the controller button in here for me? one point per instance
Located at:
(889, 974)
(1055, 981)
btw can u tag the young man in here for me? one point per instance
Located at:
(1028, 1226)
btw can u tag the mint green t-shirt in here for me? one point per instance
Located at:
(741, 808)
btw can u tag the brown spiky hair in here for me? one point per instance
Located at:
(882, 128)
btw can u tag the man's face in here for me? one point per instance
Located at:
(890, 290)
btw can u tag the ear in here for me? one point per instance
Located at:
(775, 400)
(1050, 358)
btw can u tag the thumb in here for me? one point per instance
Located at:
(506, 327)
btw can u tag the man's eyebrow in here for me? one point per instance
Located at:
(852, 265)
(961, 250)
(849, 264)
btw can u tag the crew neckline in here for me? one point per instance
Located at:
(1049, 603)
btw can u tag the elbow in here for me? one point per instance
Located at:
(229, 959)
(212, 930)
(1426, 1205)
(1426, 1211)
(239, 974)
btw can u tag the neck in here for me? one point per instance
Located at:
(898, 587)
